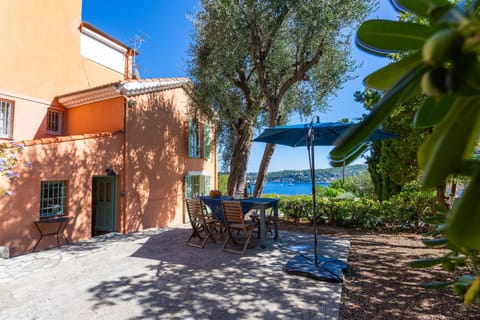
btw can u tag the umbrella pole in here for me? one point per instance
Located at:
(311, 158)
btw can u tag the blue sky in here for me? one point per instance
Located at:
(167, 32)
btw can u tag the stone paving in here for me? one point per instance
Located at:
(154, 275)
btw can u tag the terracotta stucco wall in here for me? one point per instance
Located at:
(157, 160)
(103, 116)
(77, 162)
(41, 49)
(32, 113)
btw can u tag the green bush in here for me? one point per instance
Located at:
(403, 212)
(360, 185)
(328, 192)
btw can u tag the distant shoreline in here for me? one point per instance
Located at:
(282, 188)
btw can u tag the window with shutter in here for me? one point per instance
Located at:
(207, 140)
(193, 139)
(197, 185)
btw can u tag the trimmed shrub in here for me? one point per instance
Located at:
(403, 212)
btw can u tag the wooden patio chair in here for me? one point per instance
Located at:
(235, 221)
(202, 225)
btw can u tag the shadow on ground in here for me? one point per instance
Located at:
(187, 282)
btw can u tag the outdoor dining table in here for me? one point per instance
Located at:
(215, 205)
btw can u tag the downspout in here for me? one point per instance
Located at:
(124, 164)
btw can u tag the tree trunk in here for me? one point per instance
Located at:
(441, 199)
(240, 156)
(263, 170)
(273, 120)
(453, 189)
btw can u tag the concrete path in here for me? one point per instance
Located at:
(153, 275)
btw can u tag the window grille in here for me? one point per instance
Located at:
(53, 199)
(54, 122)
(6, 119)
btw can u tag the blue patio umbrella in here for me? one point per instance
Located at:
(325, 134)
(309, 135)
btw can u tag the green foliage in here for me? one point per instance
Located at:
(254, 63)
(404, 212)
(459, 259)
(392, 163)
(450, 69)
(294, 208)
(360, 185)
(328, 192)
(222, 183)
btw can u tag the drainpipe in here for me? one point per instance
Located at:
(124, 164)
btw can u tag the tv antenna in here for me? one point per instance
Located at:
(136, 42)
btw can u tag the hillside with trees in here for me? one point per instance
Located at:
(322, 175)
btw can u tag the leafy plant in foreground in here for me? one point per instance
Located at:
(441, 59)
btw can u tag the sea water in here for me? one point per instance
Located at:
(290, 188)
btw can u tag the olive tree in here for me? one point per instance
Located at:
(256, 62)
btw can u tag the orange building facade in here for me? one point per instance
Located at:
(115, 154)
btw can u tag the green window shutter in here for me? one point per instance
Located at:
(188, 186)
(190, 138)
(206, 184)
(207, 141)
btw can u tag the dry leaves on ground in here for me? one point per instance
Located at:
(379, 283)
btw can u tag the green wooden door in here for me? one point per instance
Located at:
(104, 206)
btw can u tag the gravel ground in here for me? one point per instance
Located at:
(379, 283)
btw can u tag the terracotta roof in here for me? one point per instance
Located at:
(95, 94)
(142, 86)
(121, 88)
(60, 139)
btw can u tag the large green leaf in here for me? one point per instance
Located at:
(455, 15)
(464, 218)
(426, 263)
(470, 84)
(435, 242)
(349, 158)
(359, 133)
(432, 111)
(451, 141)
(436, 285)
(467, 167)
(387, 76)
(420, 7)
(392, 36)
(473, 291)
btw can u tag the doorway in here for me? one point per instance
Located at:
(103, 205)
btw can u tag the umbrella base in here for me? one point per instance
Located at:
(327, 269)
